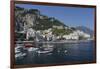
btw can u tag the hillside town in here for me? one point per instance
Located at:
(47, 35)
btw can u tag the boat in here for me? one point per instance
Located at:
(20, 55)
(32, 49)
(42, 52)
(45, 50)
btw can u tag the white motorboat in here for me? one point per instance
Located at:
(42, 52)
(32, 49)
(20, 55)
(19, 52)
(45, 50)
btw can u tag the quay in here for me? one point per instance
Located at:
(52, 42)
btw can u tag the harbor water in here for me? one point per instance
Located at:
(60, 53)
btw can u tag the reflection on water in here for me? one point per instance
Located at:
(59, 53)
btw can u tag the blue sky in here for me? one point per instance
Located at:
(71, 16)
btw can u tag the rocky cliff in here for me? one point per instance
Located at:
(32, 18)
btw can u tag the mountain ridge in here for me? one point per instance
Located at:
(85, 29)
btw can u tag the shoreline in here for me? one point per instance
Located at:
(66, 41)
(58, 41)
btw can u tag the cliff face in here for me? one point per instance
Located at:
(32, 18)
(25, 19)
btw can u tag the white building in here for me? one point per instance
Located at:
(66, 27)
(67, 37)
(71, 36)
(30, 33)
(87, 35)
(76, 34)
(58, 27)
(81, 33)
